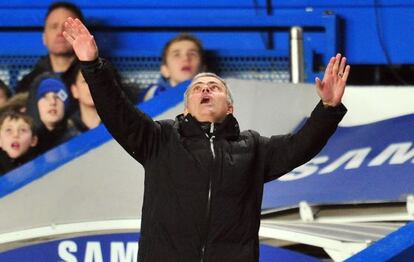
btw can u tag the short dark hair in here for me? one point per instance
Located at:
(15, 115)
(183, 37)
(66, 5)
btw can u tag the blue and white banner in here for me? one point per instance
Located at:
(368, 163)
(113, 248)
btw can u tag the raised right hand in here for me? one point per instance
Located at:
(82, 41)
(332, 87)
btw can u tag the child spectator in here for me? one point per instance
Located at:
(48, 105)
(182, 59)
(86, 117)
(5, 93)
(17, 140)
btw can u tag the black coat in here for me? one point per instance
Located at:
(203, 192)
(44, 66)
(7, 163)
(64, 131)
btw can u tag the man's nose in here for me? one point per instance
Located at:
(61, 29)
(206, 88)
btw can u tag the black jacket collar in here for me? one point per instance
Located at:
(191, 127)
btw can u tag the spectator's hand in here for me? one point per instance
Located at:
(332, 87)
(82, 41)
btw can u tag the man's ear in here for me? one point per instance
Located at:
(165, 72)
(34, 141)
(230, 110)
(74, 90)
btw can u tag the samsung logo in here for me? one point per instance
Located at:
(393, 154)
(119, 251)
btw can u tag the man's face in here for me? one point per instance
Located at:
(183, 62)
(52, 35)
(51, 110)
(80, 91)
(207, 100)
(16, 137)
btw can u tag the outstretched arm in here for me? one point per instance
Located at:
(331, 88)
(137, 133)
(284, 153)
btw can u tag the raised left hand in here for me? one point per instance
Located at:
(332, 87)
(83, 43)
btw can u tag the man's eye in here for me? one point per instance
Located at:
(215, 87)
(53, 27)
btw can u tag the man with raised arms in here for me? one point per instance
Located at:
(203, 177)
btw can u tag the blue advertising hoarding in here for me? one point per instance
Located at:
(361, 164)
(114, 247)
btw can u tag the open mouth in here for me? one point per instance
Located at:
(205, 100)
(186, 69)
(52, 111)
(15, 145)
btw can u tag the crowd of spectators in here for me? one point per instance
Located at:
(52, 103)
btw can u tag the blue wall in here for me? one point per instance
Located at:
(361, 19)
(368, 32)
(359, 37)
(134, 28)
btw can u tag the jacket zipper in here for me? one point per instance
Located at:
(203, 248)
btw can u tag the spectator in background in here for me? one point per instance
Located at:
(60, 59)
(5, 93)
(182, 59)
(50, 113)
(17, 140)
(85, 117)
